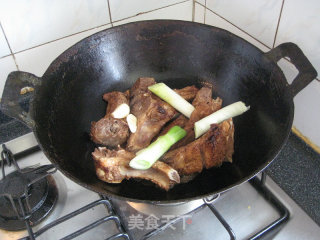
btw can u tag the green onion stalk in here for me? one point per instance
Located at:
(146, 157)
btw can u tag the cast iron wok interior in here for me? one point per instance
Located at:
(180, 54)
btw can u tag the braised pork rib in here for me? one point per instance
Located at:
(152, 114)
(210, 150)
(204, 105)
(184, 160)
(112, 166)
(110, 131)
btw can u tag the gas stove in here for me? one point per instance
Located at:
(57, 208)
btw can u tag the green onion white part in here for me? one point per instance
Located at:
(232, 110)
(173, 98)
(149, 155)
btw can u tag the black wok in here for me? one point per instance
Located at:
(69, 96)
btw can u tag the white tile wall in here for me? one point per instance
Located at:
(181, 11)
(4, 48)
(307, 110)
(258, 18)
(28, 23)
(121, 9)
(288, 69)
(215, 20)
(37, 60)
(199, 13)
(7, 65)
(203, 2)
(300, 23)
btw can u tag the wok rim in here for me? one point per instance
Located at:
(275, 153)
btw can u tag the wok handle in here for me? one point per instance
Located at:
(19, 88)
(306, 71)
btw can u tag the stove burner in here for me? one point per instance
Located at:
(172, 209)
(41, 196)
(176, 209)
(26, 195)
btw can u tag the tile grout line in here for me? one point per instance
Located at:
(109, 9)
(205, 8)
(205, 12)
(57, 39)
(317, 79)
(276, 33)
(89, 29)
(193, 9)
(73, 34)
(5, 36)
(5, 56)
(236, 26)
(156, 9)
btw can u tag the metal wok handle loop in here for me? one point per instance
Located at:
(306, 71)
(19, 89)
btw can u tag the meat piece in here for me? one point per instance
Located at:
(210, 150)
(114, 99)
(228, 131)
(127, 93)
(156, 114)
(180, 121)
(219, 148)
(112, 166)
(139, 93)
(151, 112)
(188, 93)
(204, 105)
(141, 86)
(109, 131)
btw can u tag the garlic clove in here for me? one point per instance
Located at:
(121, 111)
(132, 123)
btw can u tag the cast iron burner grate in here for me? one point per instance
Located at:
(27, 195)
(124, 233)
